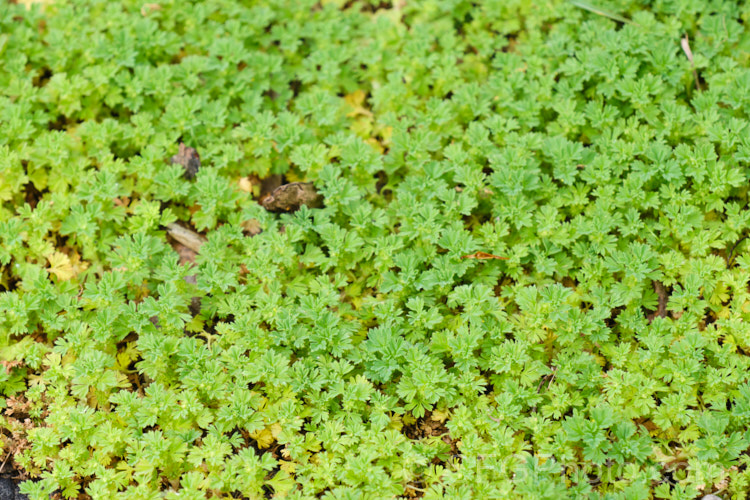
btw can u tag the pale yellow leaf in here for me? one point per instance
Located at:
(287, 466)
(267, 436)
(439, 416)
(77, 264)
(356, 101)
(66, 267)
(60, 266)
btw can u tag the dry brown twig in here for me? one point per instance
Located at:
(2, 466)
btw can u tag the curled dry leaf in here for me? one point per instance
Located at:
(290, 197)
(9, 365)
(251, 227)
(189, 159)
(685, 43)
(187, 237)
(186, 255)
(483, 256)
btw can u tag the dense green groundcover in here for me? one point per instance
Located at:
(351, 351)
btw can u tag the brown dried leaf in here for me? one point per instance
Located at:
(483, 256)
(122, 202)
(9, 365)
(662, 293)
(251, 227)
(186, 255)
(17, 405)
(290, 197)
(189, 159)
(661, 310)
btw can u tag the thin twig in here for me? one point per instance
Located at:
(552, 379)
(544, 379)
(541, 383)
(2, 467)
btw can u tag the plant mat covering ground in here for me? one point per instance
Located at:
(372, 249)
